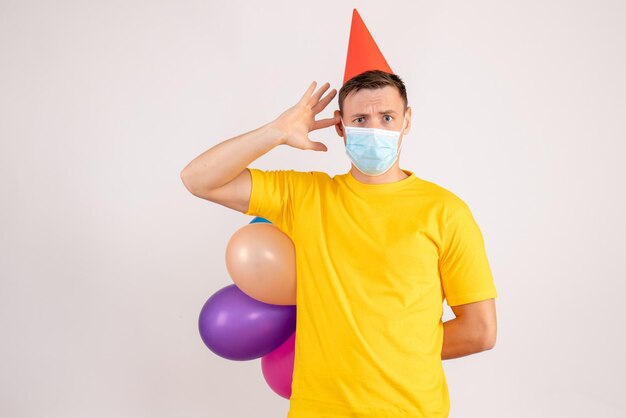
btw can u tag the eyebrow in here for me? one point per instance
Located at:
(384, 112)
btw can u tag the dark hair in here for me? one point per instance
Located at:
(373, 79)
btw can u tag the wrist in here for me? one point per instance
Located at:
(275, 134)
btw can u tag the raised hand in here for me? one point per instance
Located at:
(297, 121)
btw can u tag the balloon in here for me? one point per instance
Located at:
(261, 260)
(237, 327)
(259, 219)
(277, 367)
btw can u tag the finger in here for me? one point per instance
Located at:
(307, 95)
(317, 146)
(324, 102)
(316, 97)
(325, 123)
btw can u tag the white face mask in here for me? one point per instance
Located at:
(373, 151)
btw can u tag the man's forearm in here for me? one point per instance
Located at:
(460, 338)
(223, 162)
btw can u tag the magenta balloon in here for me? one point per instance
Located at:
(277, 367)
(238, 327)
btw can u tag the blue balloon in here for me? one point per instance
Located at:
(236, 326)
(259, 219)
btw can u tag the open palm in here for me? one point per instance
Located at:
(297, 121)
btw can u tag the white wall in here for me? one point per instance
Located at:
(106, 259)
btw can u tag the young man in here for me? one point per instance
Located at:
(377, 251)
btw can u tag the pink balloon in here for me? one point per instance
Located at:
(277, 367)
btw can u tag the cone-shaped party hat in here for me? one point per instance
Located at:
(363, 53)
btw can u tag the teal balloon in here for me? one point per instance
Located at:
(259, 219)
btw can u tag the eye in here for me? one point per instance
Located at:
(388, 118)
(359, 120)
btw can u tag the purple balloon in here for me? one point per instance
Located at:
(238, 327)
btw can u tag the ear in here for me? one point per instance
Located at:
(407, 129)
(338, 127)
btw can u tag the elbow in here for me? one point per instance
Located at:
(488, 340)
(184, 177)
(488, 345)
(198, 182)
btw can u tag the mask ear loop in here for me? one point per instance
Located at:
(403, 122)
(402, 130)
(345, 134)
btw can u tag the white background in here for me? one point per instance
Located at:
(106, 259)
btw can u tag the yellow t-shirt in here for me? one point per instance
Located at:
(373, 265)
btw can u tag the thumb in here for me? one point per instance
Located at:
(318, 146)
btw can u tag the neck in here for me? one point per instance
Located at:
(394, 174)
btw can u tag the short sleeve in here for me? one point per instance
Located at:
(466, 276)
(274, 196)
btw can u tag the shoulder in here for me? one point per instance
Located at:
(291, 176)
(450, 201)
